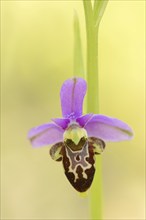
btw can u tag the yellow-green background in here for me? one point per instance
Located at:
(37, 56)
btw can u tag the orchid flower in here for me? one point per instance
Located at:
(77, 138)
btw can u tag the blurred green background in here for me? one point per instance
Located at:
(37, 56)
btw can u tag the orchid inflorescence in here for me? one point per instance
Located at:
(77, 138)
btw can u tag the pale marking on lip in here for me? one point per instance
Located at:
(84, 153)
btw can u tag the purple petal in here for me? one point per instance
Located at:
(45, 134)
(108, 129)
(84, 119)
(62, 122)
(72, 94)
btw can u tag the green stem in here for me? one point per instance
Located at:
(99, 8)
(92, 68)
(93, 17)
(78, 56)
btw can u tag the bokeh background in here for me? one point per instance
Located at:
(37, 56)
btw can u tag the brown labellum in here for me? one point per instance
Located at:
(78, 162)
(79, 165)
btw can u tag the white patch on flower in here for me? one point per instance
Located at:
(74, 163)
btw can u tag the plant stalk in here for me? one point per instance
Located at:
(93, 17)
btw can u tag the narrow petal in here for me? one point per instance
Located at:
(45, 134)
(108, 129)
(72, 94)
(84, 119)
(62, 122)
